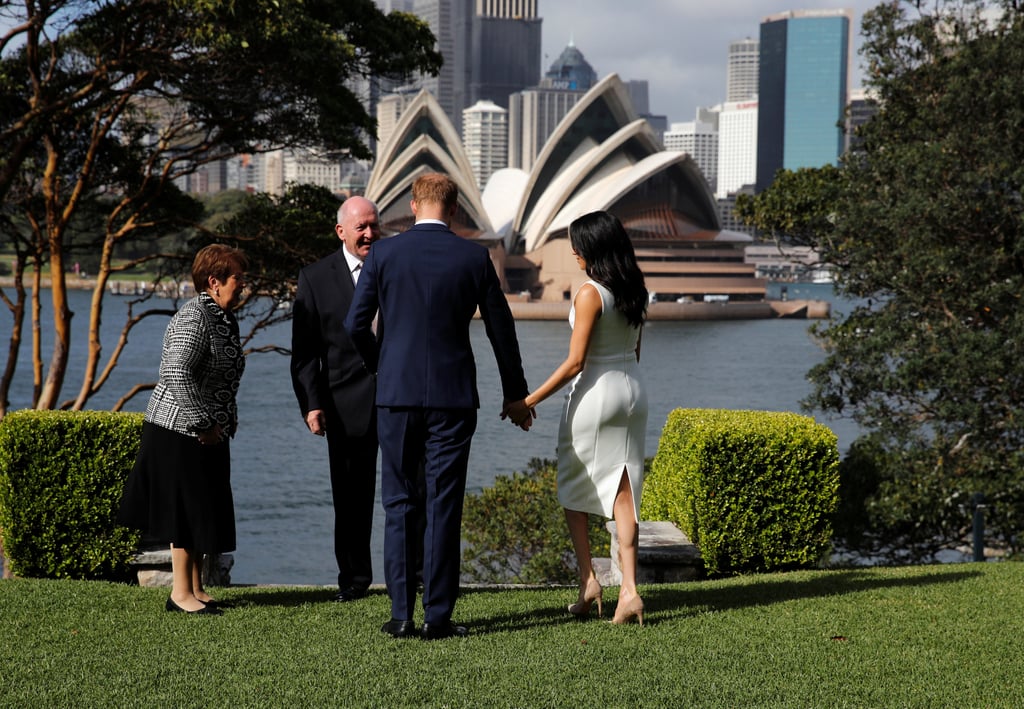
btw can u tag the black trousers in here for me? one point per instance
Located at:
(353, 462)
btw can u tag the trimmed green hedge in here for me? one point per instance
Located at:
(62, 474)
(754, 490)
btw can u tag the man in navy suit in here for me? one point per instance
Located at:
(427, 283)
(336, 392)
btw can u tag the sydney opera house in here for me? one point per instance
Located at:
(602, 156)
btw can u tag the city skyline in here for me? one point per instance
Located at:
(683, 55)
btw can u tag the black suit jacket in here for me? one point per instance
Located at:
(327, 371)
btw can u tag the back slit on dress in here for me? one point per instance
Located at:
(632, 494)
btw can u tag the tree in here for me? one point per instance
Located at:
(798, 209)
(111, 103)
(928, 238)
(279, 236)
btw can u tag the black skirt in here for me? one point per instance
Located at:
(179, 492)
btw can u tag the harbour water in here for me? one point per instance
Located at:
(279, 470)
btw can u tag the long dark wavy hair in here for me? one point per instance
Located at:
(602, 241)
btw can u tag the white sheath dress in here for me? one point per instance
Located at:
(604, 418)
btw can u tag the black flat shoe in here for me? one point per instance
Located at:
(399, 628)
(205, 610)
(218, 605)
(439, 631)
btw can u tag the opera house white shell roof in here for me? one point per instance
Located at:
(601, 156)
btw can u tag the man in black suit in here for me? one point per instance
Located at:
(427, 284)
(336, 391)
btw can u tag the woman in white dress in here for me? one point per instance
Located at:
(602, 429)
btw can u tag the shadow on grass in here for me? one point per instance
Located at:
(542, 617)
(675, 602)
(287, 596)
(672, 603)
(663, 602)
(549, 615)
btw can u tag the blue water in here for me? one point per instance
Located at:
(279, 470)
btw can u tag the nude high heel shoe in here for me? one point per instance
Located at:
(625, 612)
(589, 594)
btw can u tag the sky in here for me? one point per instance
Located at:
(679, 47)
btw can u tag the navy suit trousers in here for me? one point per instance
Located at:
(439, 440)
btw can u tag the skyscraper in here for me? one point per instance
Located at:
(639, 93)
(491, 49)
(863, 106)
(534, 113)
(699, 139)
(485, 138)
(741, 72)
(505, 49)
(804, 63)
(571, 71)
(533, 116)
(389, 110)
(737, 147)
(449, 21)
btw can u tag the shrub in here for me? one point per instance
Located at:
(62, 474)
(903, 505)
(515, 531)
(755, 491)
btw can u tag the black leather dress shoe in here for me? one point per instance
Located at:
(349, 593)
(438, 631)
(205, 610)
(399, 628)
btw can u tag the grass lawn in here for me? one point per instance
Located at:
(933, 636)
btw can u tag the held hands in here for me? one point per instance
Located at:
(519, 413)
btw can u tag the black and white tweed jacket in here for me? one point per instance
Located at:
(200, 368)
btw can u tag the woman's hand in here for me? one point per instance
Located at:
(212, 435)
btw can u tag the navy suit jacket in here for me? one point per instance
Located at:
(427, 284)
(327, 371)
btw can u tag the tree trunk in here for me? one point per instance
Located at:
(37, 333)
(17, 308)
(55, 225)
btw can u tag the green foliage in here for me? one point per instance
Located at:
(799, 208)
(894, 494)
(221, 206)
(754, 490)
(515, 531)
(928, 242)
(61, 479)
(279, 235)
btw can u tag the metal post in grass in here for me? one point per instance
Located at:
(978, 499)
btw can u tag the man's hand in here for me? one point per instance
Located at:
(316, 422)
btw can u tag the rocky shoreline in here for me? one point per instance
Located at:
(742, 310)
(559, 310)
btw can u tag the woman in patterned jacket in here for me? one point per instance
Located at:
(179, 491)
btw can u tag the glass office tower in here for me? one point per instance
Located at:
(805, 57)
